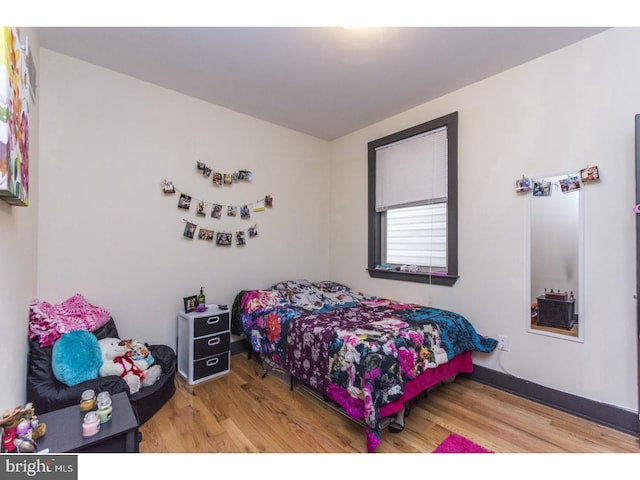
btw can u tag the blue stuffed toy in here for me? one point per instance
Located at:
(76, 357)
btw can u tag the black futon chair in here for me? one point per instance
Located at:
(47, 393)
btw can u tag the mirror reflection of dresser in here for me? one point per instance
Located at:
(556, 312)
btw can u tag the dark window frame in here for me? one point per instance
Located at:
(375, 218)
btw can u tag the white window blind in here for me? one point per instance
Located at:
(417, 236)
(412, 171)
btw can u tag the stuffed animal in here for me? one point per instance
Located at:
(117, 360)
(21, 427)
(138, 351)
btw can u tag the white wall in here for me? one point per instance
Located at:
(18, 268)
(564, 111)
(107, 231)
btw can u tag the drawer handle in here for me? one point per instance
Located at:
(213, 341)
(213, 320)
(212, 361)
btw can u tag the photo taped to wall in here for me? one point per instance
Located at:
(216, 211)
(589, 174)
(223, 238)
(569, 184)
(201, 209)
(184, 202)
(168, 187)
(205, 234)
(541, 188)
(189, 230)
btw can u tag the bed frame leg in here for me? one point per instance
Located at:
(291, 382)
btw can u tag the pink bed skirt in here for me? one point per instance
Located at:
(354, 406)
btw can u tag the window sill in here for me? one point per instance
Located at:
(432, 279)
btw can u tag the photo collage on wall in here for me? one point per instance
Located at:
(219, 178)
(215, 210)
(571, 183)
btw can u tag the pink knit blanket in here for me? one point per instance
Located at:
(49, 322)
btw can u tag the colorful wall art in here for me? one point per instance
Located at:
(14, 118)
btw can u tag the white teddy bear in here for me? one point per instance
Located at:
(117, 360)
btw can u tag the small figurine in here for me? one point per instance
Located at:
(25, 445)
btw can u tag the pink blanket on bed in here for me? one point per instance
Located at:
(49, 322)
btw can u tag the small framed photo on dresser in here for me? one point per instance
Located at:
(190, 303)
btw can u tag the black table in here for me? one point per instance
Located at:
(64, 430)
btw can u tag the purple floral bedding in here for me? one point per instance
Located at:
(332, 337)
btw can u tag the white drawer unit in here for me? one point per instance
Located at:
(204, 344)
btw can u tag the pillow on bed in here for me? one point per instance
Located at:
(256, 300)
(289, 289)
(318, 296)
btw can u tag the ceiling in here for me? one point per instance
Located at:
(323, 81)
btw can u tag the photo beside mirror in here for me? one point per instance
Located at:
(555, 240)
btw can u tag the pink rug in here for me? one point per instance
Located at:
(457, 444)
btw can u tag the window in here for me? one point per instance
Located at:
(413, 206)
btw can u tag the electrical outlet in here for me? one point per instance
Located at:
(503, 343)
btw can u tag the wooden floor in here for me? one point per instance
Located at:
(241, 412)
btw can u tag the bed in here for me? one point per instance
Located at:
(368, 355)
